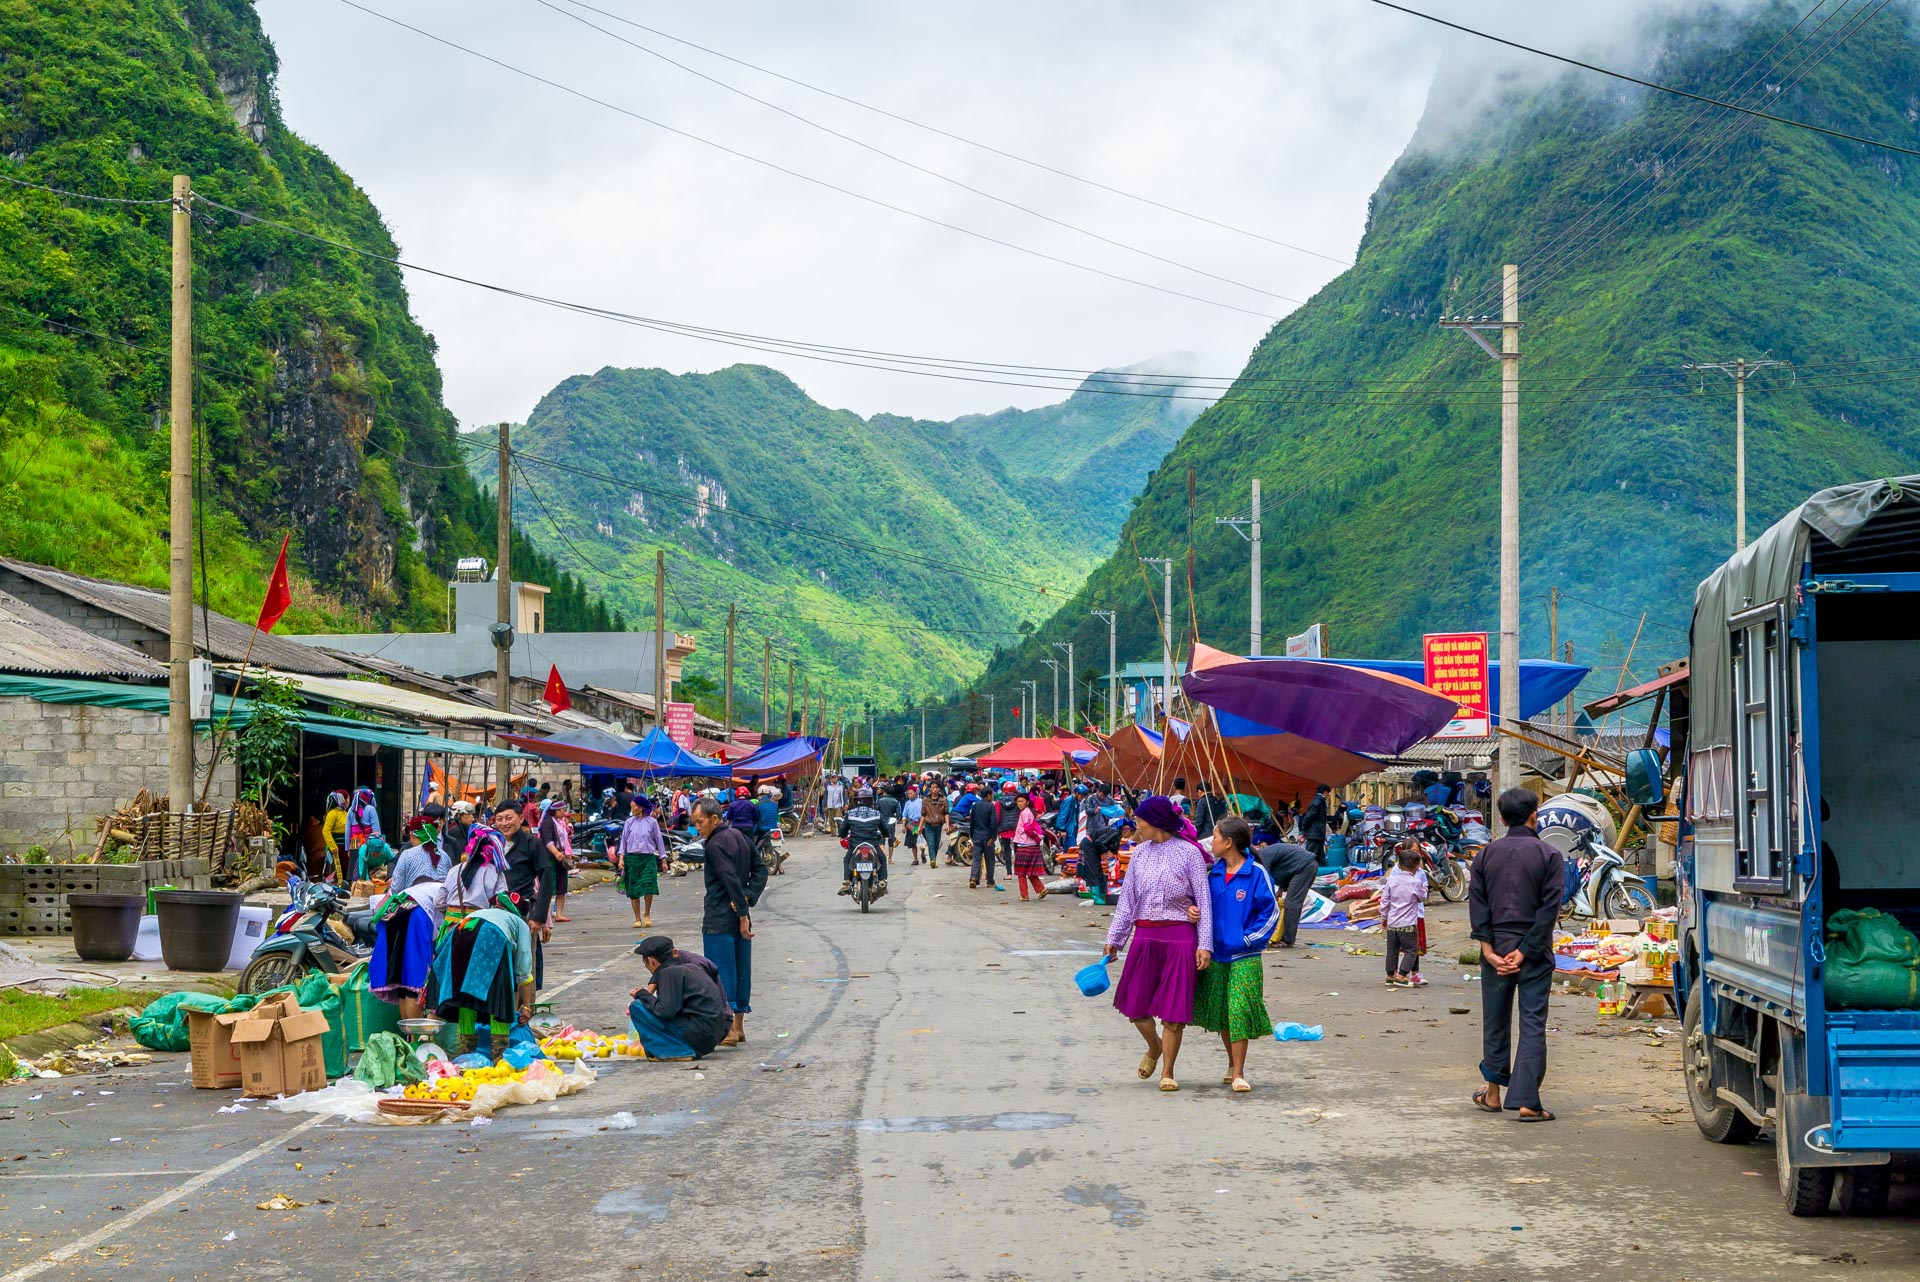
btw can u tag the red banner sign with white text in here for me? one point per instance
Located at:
(1457, 667)
(679, 723)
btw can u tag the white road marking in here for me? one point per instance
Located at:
(109, 1231)
(92, 1175)
(548, 994)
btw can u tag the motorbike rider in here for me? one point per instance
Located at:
(864, 822)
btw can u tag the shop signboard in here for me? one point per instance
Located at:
(1457, 667)
(1310, 644)
(680, 724)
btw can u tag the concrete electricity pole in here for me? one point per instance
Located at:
(1248, 528)
(1113, 676)
(180, 511)
(503, 581)
(806, 706)
(1072, 707)
(1508, 355)
(925, 751)
(660, 692)
(728, 736)
(766, 691)
(1055, 665)
(1033, 696)
(1166, 628)
(1738, 370)
(990, 732)
(787, 729)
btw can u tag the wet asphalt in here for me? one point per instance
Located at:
(924, 1094)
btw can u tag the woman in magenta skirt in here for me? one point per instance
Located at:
(1166, 875)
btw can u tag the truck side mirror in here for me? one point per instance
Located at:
(1646, 782)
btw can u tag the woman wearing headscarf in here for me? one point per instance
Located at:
(1029, 850)
(480, 877)
(333, 831)
(363, 825)
(556, 834)
(1166, 875)
(636, 859)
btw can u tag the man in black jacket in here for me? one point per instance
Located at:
(1293, 869)
(1513, 901)
(1208, 809)
(733, 876)
(1103, 839)
(531, 876)
(681, 1013)
(1313, 822)
(983, 826)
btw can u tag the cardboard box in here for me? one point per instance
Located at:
(280, 1051)
(1618, 926)
(216, 1061)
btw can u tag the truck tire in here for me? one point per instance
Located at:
(1864, 1189)
(1718, 1120)
(1807, 1190)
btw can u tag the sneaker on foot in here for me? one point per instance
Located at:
(846, 888)
(1419, 980)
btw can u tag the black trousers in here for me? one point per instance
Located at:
(1006, 851)
(1295, 891)
(1093, 870)
(1518, 1068)
(982, 856)
(1403, 950)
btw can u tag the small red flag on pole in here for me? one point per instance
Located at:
(556, 695)
(279, 594)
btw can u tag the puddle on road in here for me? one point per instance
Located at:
(636, 1203)
(963, 1122)
(1127, 1212)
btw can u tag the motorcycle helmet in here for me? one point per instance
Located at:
(739, 794)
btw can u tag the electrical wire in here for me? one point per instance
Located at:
(909, 164)
(81, 195)
(806, 177)
(970, 142)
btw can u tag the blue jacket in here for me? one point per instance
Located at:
(1067, 818)
(767, 815)
(1245, 910)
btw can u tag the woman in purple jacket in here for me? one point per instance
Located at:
(1166, 875)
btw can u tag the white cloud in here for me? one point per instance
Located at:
(1275, 116)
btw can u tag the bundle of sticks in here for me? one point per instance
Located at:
(119, 825)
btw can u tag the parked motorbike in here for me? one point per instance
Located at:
(315, 933)
(1446, 869)
(867, 885)
(1603, 887)
(596, 835)
(686, 851)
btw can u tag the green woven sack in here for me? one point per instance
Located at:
(1872, 986)
(1868, 935)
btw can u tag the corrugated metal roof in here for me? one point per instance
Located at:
(34, 641)
(226, 638)
(379, 697)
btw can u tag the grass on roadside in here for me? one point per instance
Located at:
(23, 1013)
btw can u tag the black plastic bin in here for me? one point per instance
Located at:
(105, 926)
(196, 927)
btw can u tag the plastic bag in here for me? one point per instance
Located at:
(387, 1061)
(473, 1059)
(162, 1026)
(1297, 1033)
(348, 1098)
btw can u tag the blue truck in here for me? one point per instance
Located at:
(1798, 731)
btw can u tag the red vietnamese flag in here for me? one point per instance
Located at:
(556, 695)
(279, 594)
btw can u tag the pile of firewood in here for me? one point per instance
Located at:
(120, 824)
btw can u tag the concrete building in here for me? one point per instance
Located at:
(465, 652)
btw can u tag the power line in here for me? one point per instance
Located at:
(805, 177)
(902, 160)
(981, 146)
(81, 195)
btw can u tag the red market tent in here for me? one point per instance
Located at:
(1033, 754)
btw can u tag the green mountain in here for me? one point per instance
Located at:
(317, 396)
(891, 555)
(1376, 433)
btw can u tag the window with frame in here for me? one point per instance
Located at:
(1762, 702)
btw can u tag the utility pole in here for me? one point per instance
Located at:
(1113, 675)
(1569, 696)
(1055, 665)
(503, 581)
(730, 623)
(806, 706)
(1738, 370)
(1248, 528)
(990, 732)
(1553, 621)
(766, 691)
(1508, 355)
(1072, 719)
(1033, 696)
(787, 729)
(872, 749)
(924, 750)
(180, 511)
(660, 692)
(1166, 627)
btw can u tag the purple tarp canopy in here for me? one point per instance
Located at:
(1349, 708)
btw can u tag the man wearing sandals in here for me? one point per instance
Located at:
(1513, 902)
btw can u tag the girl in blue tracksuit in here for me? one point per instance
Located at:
(1230, 997)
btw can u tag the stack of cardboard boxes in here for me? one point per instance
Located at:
(273, 1049)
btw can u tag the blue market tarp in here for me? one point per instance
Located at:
(781, 759)
(662, 758)
(1543, 682)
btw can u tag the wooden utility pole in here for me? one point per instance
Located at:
(1569, 696)
(766, 691)
(180, 511)
(660, 692)
(503, 580)
(806, 707)
(1553, 621)
(728, 736)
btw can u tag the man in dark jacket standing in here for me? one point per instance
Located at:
(1313, 822)
(1513, 901)
(531, 876)
(1293, 868)
(983, 826)
(681, 1013)
(1208, 810)
(726, 927)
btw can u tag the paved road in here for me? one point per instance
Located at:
(924, 1095)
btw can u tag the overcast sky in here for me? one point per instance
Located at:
(1278, 116)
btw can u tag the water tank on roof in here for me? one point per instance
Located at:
(470, 569)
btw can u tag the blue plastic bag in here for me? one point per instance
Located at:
(473, 1060)
(1297, 1033)
(1093, 980)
